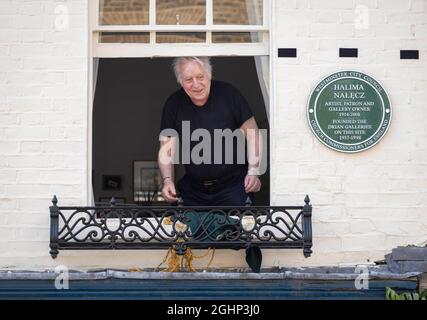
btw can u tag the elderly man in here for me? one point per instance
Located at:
(210, 105)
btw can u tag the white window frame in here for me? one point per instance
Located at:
(107, 50)
(153, 49)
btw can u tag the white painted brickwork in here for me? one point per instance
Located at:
(43, 112)
(364, 204)
(369, 202)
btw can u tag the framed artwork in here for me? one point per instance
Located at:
(146, 182)
(111, 182)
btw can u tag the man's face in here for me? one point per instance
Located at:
(196, 82)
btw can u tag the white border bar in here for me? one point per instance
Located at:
(127, 50)
(180, 28)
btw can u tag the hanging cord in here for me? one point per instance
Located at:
(192, 256)
(173, 261)
(175, 265)
(188, 257)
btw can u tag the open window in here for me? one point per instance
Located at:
(133, 43)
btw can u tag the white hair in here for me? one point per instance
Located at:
(204, 62)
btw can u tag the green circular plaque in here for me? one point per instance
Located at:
(349, 111)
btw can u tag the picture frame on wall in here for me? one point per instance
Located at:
(146, 182)
(111, 182)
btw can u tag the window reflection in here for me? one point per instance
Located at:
(236, 37)
(180, 37)
(246, 12)
(123, 12)
(181, 12)
(124, 37)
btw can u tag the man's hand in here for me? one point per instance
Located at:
(252, 184)
(169, 192)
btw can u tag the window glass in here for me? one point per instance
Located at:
(124, 37)
(123, 12)
(180, 37)
(237, 12)
(181, 12)
(236, 37)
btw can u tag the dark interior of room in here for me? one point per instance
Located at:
(129, 98)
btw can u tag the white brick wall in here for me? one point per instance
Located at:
(372, 201)
(43, 105)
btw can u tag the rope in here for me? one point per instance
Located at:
(188, 257)
(211, 259)
(167, 221)
(174, 265)
(173, 262)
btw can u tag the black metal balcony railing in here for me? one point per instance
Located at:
(118, 226)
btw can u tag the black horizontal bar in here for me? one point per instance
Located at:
(167, 245)
(287, 52)
(409, 54)
(348, 52)
(153, 208)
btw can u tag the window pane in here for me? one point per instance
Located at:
(236, 37)
(237, 12)
(124, 37)
(180, 37)
(123, 12)
(181, 12)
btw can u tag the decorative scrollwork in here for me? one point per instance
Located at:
(139, 227)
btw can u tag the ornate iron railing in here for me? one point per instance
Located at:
(118, 226)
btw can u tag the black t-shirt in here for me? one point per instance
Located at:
(226, 108)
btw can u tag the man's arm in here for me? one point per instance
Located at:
(255, 148)
(167, 169)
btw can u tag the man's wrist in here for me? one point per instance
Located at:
(165, 178)
(253, 172)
